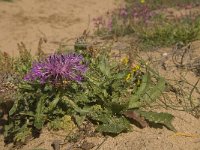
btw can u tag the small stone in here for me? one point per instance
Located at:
(165, 54)
(158, 137)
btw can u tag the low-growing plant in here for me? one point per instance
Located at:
(157, 4)
(151, 26)
(11, 67)
(23, 63)
(6, 62)
(110, 94)
(10, 76)
(167, 34)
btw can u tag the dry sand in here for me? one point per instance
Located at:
(29, 20)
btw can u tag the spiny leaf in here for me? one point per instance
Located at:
(135, 99)
(100, 117)
(14, 108)
(7, 128)
(109, 123)
(74, 106)
(114, 125)
(161, 118)
(79, 119)
(82, 98)
(104, 66)
(53, 104)
(26, 87)
(116, 108)
(144, 85)
(22, 133)
(156, 91)
(39, 116)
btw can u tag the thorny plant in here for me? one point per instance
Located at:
(85, 85)
(70, 88)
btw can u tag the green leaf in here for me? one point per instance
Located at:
(79, 119)
(161, 118)
(134, 101)
(39, 116)
(48, 88)
(7, 129)
(74, 106)
(53, 104)
(144, 85)
(30, 114)
(26, 87)
(82, 98)
(156, 91)
(22, 134)
(92, 80)
(116, 108)
(104, 66)
(108, 122)
(14, 108)
(100, 117)
(119, 75)
(114, 125)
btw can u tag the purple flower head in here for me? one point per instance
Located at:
(123, 12)
(58, 67)
(142, 12)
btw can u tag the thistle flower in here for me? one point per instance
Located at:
(57, 68)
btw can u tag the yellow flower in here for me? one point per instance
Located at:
(65, 81)
(125, 60)
(137, 67)
(128, 77)
(142, 1)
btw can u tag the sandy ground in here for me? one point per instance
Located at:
(54, 20)
(57, 20)
(187, 138)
